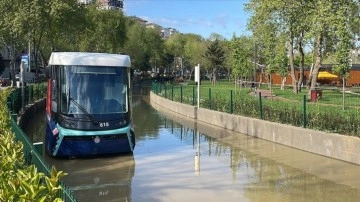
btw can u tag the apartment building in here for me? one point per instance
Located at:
(106, 4)
(167, 32)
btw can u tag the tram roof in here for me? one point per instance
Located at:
(89, 59)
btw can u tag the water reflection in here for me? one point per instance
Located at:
(267, 171)
(98, 179)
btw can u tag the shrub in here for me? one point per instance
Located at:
(19, 181)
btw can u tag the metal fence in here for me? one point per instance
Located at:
(32, 93)
(300, 113)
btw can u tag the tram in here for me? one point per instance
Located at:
(88, 104)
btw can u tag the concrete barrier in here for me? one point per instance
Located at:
(341, 147)
(30, 111)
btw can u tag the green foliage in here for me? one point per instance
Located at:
(101, 34)
(215, 54)
(242, 49)
(328, 26)
(194, 47)
(19, 181)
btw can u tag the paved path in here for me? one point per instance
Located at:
(264, 93)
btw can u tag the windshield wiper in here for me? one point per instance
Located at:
(84, 110)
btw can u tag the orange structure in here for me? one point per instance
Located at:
(352, 80)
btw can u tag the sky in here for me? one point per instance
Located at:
(202, 17)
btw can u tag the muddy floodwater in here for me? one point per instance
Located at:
(178, 160)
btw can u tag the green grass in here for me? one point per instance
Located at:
(325, 114)
(332, 99)
(223, 88)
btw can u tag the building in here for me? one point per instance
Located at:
(167, 32)
(111, 4)
(106, 4)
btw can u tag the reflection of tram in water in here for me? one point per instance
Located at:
(88, 104)
(98, 179)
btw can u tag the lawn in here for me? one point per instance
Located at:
(325, 114)
(223, 88)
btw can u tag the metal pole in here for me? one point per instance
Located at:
(260, 106)
(231, 102)
(29, 55)
(343, 80)
(22, 86)
(304, 111)
(193, 95)
(181, 94)
(209, 98)
(198, 88)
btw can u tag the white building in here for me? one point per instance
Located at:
(106, 4)
(167, 32)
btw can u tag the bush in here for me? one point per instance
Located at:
(19, 181)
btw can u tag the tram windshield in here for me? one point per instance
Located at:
(92, 90)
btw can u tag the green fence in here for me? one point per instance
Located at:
(301, 113)
(32, 93)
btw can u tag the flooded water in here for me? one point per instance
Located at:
(177, 160)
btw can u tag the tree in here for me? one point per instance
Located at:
(193, 50)
(155, 47)
(216, 56)
(174, 45)
(103, 31)
(241, 57)
(135, 46)
(28, 22)
(281, 17)
(332, 25)
(343, 46)
(281, 62)
(145, 46)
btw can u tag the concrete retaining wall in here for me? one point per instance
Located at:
(332, 145)
(29, 113)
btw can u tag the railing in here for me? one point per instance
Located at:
(32, 93)
(322, 117)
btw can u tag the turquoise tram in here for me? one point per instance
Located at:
(88, 106)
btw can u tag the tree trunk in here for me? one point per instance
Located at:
(301, 63)
(261, 76)
(291, 60)
(283, 80)
(269, 80)
(317, 66)
(213, 76)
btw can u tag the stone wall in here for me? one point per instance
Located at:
(341, 147)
